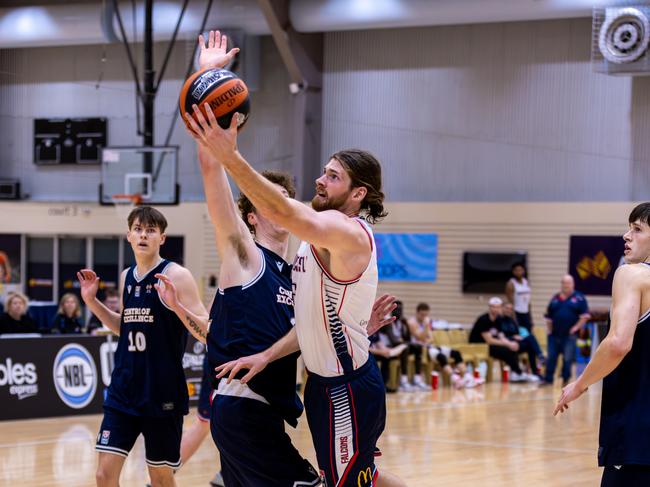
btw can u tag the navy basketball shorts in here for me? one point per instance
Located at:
(254, 448)
(346, 416)
(162, 436)
(203, 407)
(626, 476)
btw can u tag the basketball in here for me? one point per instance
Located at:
(222, 89)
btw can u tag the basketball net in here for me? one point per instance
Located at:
(124, 203)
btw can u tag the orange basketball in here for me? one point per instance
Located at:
(223, 90)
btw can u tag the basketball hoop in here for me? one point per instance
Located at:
(124, 203)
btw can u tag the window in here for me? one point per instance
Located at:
(72, 258)
(40, 268)
(106, 256)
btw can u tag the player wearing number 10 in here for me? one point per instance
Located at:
(148, 391)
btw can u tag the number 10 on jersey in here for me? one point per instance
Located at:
(137, 341)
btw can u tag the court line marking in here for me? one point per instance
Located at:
(457, 405)
(513, 446)
(45, 442)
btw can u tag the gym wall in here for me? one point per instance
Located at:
(490, 112)
(52, 82)
(541, 229)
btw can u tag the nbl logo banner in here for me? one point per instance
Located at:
(27, 390)
(75, 376)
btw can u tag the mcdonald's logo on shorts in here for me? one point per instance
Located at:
(365, 478)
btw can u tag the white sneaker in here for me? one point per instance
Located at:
(419, 383)
(406, 387)
(532, 378)
(515, 377)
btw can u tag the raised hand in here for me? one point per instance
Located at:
(214, 55)
(381, 313)
(222, 144)
(89, 283)
(167, 291)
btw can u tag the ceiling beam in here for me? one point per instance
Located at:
(302, 55)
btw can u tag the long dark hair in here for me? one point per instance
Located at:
(365, 171)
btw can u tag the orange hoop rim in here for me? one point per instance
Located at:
(124, 198)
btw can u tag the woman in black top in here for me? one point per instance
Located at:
(15, 318)
(68, 317)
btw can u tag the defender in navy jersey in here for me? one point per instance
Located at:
(623, 361)
(251, 311)
(334, 283)
(148, 391)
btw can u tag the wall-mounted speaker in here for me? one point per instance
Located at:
(9, 189)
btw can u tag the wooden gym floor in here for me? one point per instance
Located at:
(491, 436)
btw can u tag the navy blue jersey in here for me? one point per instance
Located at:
(148, 379)
(249, 319)
(624, 420)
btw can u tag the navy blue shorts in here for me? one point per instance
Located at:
(255, 450)
(346, 416)
(626, 476)
(203, 407)
(162, 436)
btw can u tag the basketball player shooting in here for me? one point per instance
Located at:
(334, 282)
(622, 359)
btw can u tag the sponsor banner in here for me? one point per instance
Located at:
(49, 376)
(407, 256)
(593, 261)
(67, 375)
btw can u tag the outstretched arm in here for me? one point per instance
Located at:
(626, 305)
(235, 245)
(239, 256)
(256, 363)
(327, 229)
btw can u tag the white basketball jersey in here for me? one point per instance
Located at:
(522, 295)
(332, 315)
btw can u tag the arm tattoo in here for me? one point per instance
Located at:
(194, 326)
